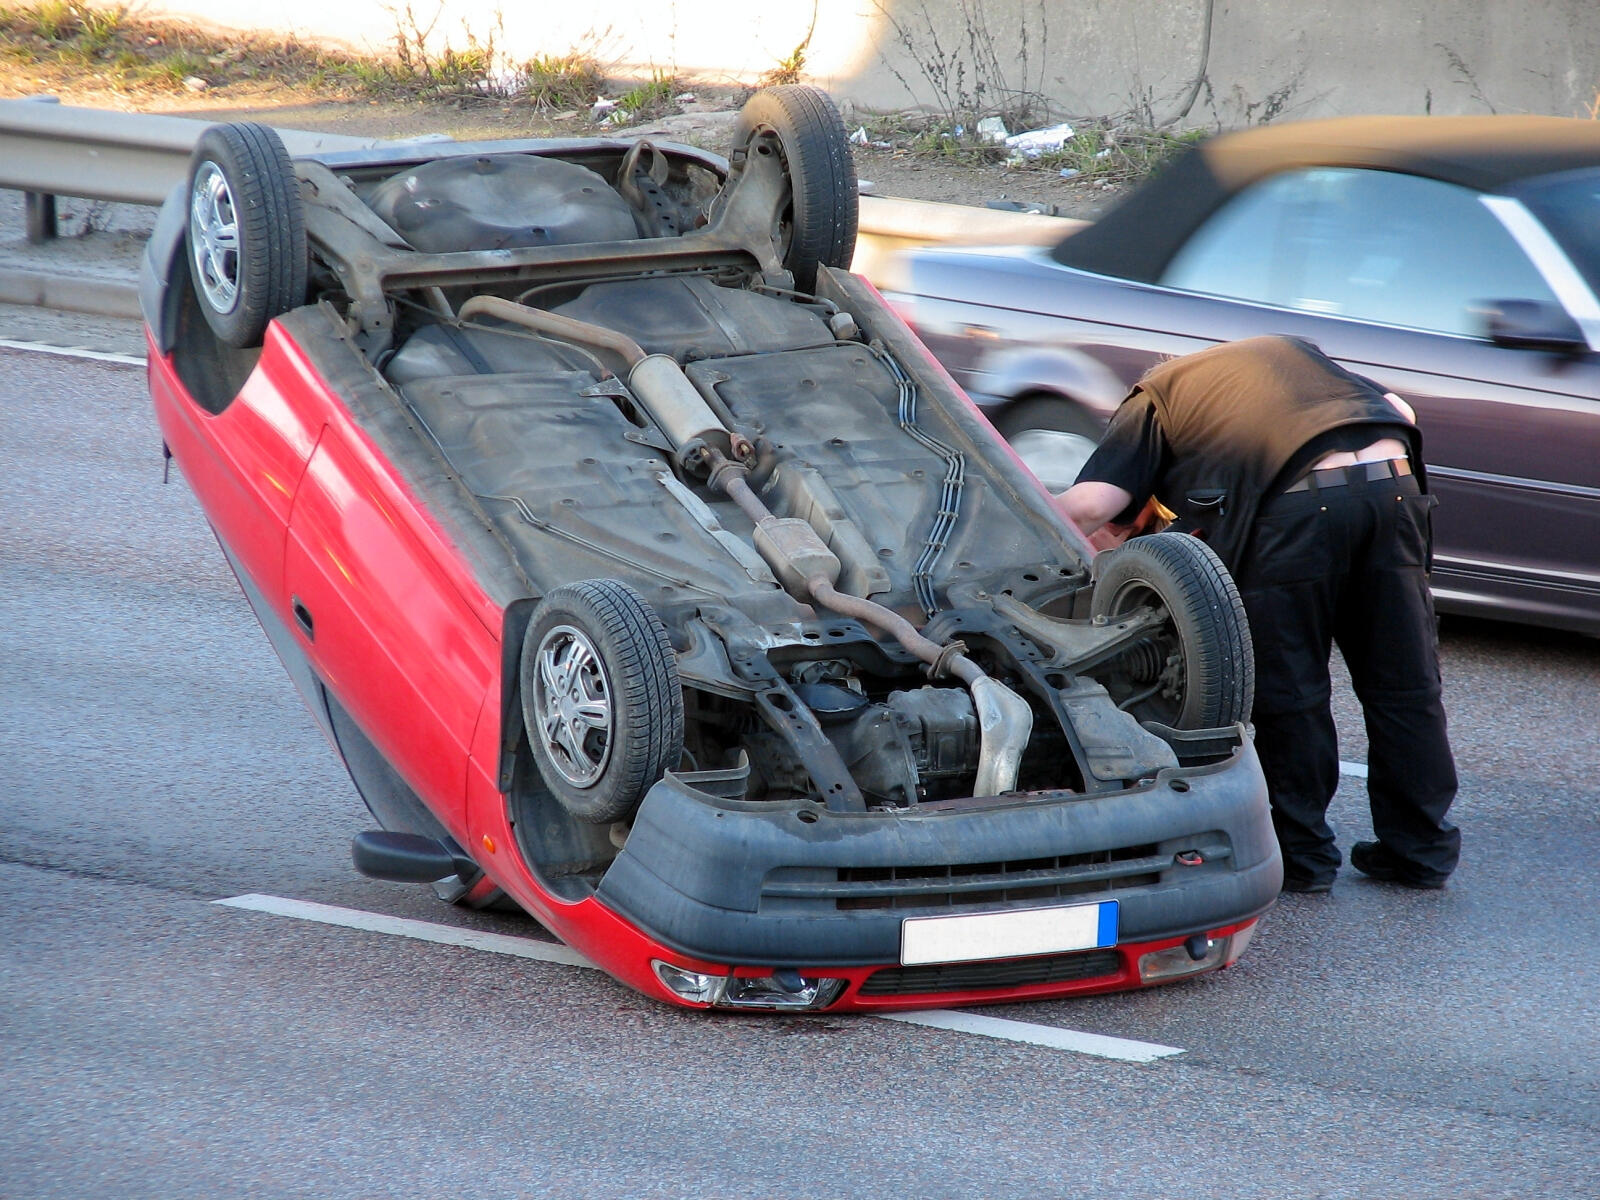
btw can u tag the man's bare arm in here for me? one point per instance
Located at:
(1091, 504)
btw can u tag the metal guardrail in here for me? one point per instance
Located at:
(49, 149)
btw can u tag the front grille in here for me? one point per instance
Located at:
(1032, 880)
(982, 976)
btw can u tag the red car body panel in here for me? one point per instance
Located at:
(405, 651)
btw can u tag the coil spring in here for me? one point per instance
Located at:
(1143, 661)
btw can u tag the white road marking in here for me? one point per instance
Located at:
(425, 931)
(127, 360)
(1354, 770)
(1036, 1035)
(1048, 1036)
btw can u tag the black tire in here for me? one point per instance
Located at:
(243, 194)
(1198, 671)
(1056, 413)
(596, 650)
(817, 226)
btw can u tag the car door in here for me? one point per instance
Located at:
(390, 636)
(243, 446)
(1387, 272)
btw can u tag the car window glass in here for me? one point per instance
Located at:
(1372, 245)
(1569, 207)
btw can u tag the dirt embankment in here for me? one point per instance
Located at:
(275, 85)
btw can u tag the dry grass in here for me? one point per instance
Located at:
(69, 44)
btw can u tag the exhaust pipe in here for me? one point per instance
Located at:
(794, 550)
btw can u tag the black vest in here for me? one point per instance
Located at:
(1236, 415)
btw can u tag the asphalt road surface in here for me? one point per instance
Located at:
(154, 758)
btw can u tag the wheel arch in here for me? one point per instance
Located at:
(1072, 375)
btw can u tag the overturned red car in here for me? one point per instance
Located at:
(643, 569)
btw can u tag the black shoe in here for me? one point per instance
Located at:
(1292, 883)
(1377, 861)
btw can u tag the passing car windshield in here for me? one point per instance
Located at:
(1569, 206)
(1368, 245)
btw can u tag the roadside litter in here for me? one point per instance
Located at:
(1035, 142)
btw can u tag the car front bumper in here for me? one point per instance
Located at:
(796, 886)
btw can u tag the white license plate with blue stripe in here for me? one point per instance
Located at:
(1014, 933)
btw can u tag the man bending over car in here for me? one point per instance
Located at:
(1307, 480)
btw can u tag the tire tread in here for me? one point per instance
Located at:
(647, 694)
(821, 170)
(1223, 664)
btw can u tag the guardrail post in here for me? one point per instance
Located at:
(40, 210)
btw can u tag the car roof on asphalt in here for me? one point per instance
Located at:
(1137, 238)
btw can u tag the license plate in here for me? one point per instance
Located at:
(1016, 933)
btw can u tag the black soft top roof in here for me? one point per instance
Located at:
(1137, 238)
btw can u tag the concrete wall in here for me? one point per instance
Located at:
(1266, 58)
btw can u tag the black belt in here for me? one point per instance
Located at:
(1332, 477)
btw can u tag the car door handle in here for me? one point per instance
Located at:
(302, 616)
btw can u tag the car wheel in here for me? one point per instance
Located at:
(1196, 671)
(1052, 435)
(600, 697)
(817, 223)
(1056, 413)
(246, 232)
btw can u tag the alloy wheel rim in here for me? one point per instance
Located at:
(214, 226)
(572, 701)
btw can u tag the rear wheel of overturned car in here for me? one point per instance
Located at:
(816, 224)
(1196, 670)
(246, 231)
(600, 697)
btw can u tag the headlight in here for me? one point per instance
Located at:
(783, 990)
(1202, 952)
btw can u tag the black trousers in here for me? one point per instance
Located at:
(1348, 564)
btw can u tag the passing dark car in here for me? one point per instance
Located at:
(643, 569)
(1456, 260)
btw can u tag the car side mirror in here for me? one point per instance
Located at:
(1531, 325)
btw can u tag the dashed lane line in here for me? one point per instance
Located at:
(1049, 1036)
(423, 931)
(1037, 1035)
(127, 360)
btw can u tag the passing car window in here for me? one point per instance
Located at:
(1372, 245)
(1569, 206)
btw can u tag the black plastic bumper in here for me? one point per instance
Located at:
(781, 884)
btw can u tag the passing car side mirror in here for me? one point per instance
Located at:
(1531, 325)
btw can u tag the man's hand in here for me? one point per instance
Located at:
(1404, 409)
(1109, 537)
(1152, 518)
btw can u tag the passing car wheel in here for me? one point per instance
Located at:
(1054, 413)
(1196, 671)
(246, 231)
(600, 697)
(817, 223)
(1052, 435)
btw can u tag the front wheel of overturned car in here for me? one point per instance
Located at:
(816, 224)
(1196, 670)
(246, 231)
(600, 697)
